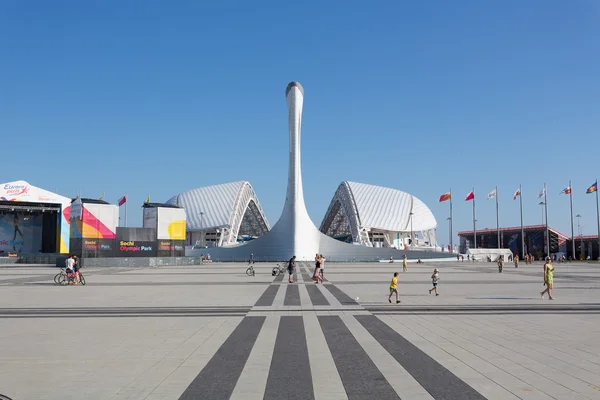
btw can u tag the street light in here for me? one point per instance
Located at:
(412, 240)
(201, 230)
(580, 231)
(541, 203)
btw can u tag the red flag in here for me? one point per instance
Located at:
(445, 197)
(470, 196)
(122, 200)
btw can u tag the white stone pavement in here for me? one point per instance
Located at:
(157, 333)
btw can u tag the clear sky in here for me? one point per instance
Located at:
(159, 97)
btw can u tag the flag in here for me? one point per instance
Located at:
(101, 197)
(122, 200)
(492, 194)
(592, 188)
(470, 196)
(543, 192)
(445, 197)
(147, 199)
(566, 190)
(517, 193)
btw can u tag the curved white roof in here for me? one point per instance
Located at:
(389, 209)
(222, 206)
(357, 208)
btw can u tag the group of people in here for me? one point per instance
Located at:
(72, 267)
(318, 274)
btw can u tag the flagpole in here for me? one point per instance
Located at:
(572, 230)
(498, 219)
(598, 217)
(451, 244)
(546, 210)
(522, 232)
(126, 210)
(474, 226)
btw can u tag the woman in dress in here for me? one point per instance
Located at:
(548, 278)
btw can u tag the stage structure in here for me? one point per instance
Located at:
(32, 220)
(294, 233)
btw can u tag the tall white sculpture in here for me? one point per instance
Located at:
(294, 233)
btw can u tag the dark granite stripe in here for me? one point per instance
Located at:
(290, 377)
(292, 296)
(435, 378)
(360, 376)
(268, 296)
(316, 296)
(340, 296)
(306, 277)
(219, 377)
(279, 278)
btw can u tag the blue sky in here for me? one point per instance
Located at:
(146, 97)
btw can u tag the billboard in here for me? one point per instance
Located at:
(170, 224)
(92, 220)
(21, 232)
(135, 242)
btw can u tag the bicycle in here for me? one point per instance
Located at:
(250, 270)
(57, 277)
(67, 278)
(278, 270)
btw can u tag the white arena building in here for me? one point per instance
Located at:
(376, 216)
(222, 215)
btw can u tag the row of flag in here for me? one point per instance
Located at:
(493, 193)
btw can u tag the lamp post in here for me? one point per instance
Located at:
(412, 239)
(201, 230)
(580, 231)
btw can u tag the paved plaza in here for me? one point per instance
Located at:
(212, 332)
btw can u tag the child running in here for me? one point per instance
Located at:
(394, 288)
(435, 278)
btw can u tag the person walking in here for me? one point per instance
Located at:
(404, 266)
(548, 278)
(322, 267)
(394, 288)
(516, 259)
(435, 278)
(317, 274)
(291, 268)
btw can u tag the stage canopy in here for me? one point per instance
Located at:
(22, 207)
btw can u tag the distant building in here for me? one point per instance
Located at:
(585, 246)
(510, 238)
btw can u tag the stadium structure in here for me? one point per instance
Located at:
(376, 216)
(377, 223)
(222, 215)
